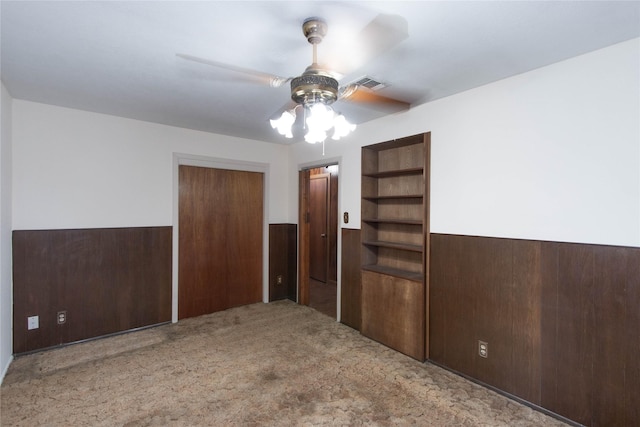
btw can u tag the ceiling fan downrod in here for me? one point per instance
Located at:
(314, 85)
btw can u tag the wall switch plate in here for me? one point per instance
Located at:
(33, 322)
(483, 349)
(345, 217)
(62, 317)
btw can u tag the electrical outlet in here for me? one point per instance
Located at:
(33, 322)
(279, 279)
(483, 349)
(62, 317)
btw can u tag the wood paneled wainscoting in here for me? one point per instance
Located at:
(562, 322)
(106, 280)
(351, 292)
(283, 281)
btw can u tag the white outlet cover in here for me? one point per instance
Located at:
(33, 322)
(483, 349)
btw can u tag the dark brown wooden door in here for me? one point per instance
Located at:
(318, 227)
(220, 243)
(303, 236)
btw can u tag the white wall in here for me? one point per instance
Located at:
(6, 300)
(552, 154)
(76, 169)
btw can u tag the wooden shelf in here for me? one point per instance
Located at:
(393, 221)
(394, 197)
(403, 274)
(395, 172)
(394, 245)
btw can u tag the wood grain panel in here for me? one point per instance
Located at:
(319, 227)
(282, 261)
(402, 302)
(202, 260)
(461, 342)
(440, 278)
(220, 256)
(612, 274)
(244, 227)
(409, 208)
(470, 278)
(459, 347)
(575, 326)
(548, 324)
(527, 316)
(632, 334)
(574, 316)
(304, 178)
(350, 300)
(39, 282)
(108, 280)
(408, 154)
(405, 185)
(489, 277)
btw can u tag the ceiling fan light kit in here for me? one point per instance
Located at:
(319, 119)
(315, 90)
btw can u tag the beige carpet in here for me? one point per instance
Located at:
(259, 365)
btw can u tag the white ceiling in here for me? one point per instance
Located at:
(119, 58)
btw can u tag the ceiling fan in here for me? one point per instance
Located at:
(317, 87)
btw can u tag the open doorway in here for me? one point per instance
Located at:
(319, 238)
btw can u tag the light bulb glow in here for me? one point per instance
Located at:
(320, 117)
(320, 120)
(341, 127)
(284, 123)
(315, 136)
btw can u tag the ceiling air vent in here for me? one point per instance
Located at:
(370, 83)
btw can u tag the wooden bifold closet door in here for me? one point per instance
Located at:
(220, 243)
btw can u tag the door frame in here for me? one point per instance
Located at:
(216, 163)
(303, 231)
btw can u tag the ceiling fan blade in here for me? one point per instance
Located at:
(258, 76)
(370, 99)
(384, 32)
(288, 106)
(378, 36)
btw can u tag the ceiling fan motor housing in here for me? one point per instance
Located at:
(314, 87)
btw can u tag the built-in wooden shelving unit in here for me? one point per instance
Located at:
(395, 230)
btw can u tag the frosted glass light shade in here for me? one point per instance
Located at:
(320, 119)
(341, 127)
(284, 123)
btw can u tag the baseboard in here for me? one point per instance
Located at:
(67, 344)
(509, 395)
